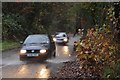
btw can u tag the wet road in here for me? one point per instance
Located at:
(12, 67)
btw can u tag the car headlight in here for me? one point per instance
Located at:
(43, 51)
(54, 39)
(23, 51)
(65, 39)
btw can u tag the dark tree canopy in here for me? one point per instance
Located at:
(23, 18)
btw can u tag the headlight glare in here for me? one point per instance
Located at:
(54, 39)
(43, 51)
(23, 51)
(65, 39)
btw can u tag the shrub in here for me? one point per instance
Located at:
(97, 49)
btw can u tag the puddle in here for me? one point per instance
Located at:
(60, 60)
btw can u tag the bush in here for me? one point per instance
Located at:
(97, 49)
(12, 28)
(112, 72)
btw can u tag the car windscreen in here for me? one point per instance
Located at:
(61, 34)
(36, 39)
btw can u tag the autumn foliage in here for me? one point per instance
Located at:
(97, 49)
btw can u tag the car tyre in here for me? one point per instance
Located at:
(21, 59)
(54, 54)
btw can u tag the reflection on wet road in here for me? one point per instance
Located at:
(43, 72)
(64, 51)
(40, 71)
(14, 68)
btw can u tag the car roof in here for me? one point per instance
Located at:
(38, 35)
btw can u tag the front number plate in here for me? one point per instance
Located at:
(32, 55)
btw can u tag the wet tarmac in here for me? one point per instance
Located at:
(12, 67)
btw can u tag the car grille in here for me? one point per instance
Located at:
(33, 51)
(59, 39)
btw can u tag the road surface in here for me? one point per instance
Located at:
(12, 67)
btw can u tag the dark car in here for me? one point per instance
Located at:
(40, 46)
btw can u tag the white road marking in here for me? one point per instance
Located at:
(12, 64)
(4, 65)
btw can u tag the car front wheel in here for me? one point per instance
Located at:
(54, 54)
(22, 59)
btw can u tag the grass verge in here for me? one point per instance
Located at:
(6, 45)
